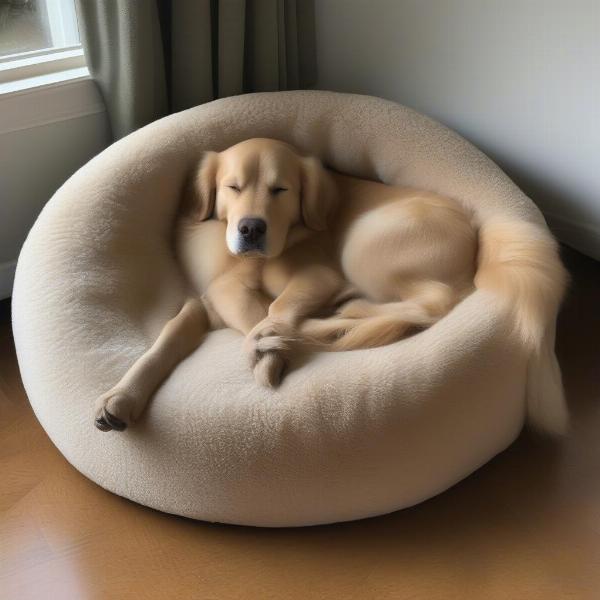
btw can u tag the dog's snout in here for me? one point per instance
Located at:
(252, 229)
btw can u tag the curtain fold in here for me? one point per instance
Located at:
(152, 57)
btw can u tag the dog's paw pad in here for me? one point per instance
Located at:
(114, 411)
(108, 422)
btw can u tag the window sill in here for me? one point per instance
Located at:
(30, 65)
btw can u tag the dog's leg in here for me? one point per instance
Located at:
(243, 308)
(234, 301)
(123, 404)
(271, 340)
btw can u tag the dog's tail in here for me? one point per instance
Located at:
(519, 263)
(338, 333)
(390, 323)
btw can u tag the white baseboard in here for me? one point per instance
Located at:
(7, 277)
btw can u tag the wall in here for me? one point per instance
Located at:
(519, 78)
(44, 138)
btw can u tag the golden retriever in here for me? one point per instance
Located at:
(269, 240)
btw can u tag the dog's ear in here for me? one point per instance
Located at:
(317, 194)
(201, 188)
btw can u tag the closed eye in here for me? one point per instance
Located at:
(278, 190)
(235, 188)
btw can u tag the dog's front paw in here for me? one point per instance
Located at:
(267, 347)
(267, 337)
(115, 410)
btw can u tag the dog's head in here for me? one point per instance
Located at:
(261, 188)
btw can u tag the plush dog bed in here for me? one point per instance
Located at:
(347, 435)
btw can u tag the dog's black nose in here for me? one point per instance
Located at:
(252, 229)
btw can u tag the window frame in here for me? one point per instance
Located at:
(60, 62)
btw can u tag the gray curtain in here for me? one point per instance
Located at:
(153, 57)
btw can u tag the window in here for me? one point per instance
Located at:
(38, 38)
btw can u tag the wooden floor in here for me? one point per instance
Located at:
(525, 526)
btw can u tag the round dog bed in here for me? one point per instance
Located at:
(347, 435)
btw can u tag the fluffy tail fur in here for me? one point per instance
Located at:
(362, 324)
(520, 265)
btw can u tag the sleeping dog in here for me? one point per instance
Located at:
(270, 240)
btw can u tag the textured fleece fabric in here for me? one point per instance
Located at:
(347, 435)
